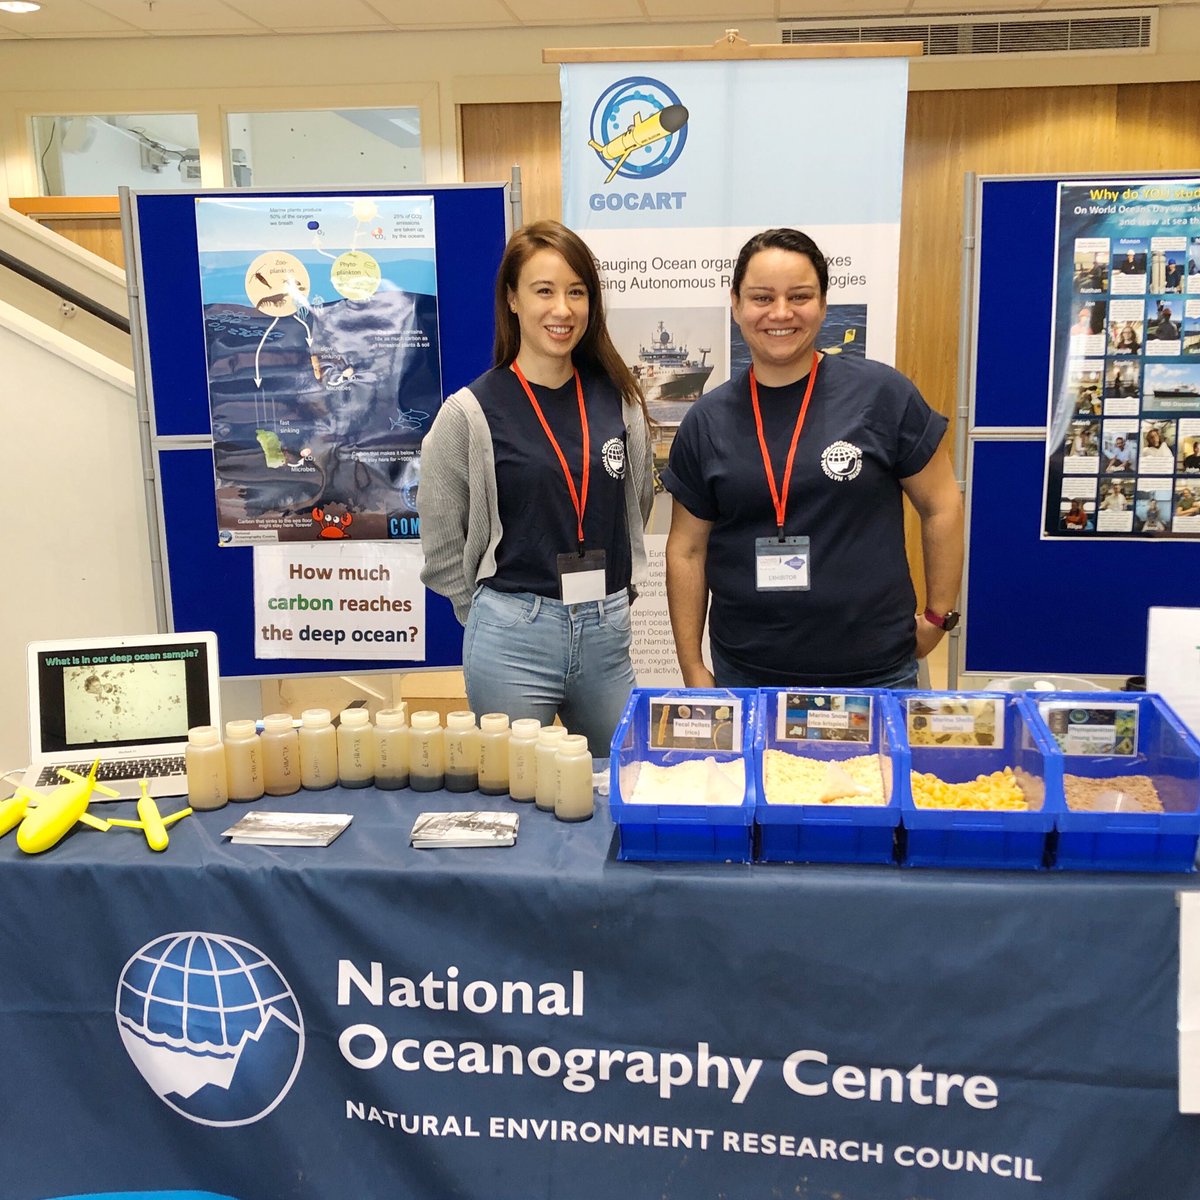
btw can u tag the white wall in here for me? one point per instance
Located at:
(76, 541)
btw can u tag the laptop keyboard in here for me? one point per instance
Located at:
(119, 769)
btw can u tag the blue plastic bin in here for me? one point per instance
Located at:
(934, 837)
(1169, 754)
(680, 832)
(820, 833)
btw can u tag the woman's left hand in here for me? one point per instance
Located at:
(928, 635)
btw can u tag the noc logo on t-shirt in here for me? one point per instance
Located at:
(841, 461)
(613, 454)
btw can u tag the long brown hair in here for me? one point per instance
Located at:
(595, 348)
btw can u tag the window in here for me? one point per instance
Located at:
(331, 147)
(91, 155)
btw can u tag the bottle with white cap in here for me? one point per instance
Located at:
(573, 800)
(522, 758)
(391, 748)
(355, 748)
(493, 754)
(462, 752)
(243, 761)
(547, 744)
(426, 752)
(281, 754)
(318, 750)
(207, 782)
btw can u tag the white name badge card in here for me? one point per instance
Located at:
(782, 566)
(581, 577)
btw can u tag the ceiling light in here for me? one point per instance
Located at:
(19, 6)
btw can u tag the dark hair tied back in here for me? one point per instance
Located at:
(781, 239)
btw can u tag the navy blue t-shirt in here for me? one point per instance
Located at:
(536, 512)
(867, 428)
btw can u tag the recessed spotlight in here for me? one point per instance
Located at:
(19, 6)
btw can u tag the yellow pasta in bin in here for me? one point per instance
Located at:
(997, 792)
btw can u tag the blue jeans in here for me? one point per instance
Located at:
(728, 675)
(529, 656)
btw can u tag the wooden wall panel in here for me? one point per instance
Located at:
(495, 137)
(100, 235)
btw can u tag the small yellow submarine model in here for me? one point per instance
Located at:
(42, 822)
(150, 821)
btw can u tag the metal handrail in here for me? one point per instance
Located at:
(63, 292)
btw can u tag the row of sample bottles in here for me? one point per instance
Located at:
(548, 766)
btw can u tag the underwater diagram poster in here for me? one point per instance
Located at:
(668, 168)
(1123, 425)
(320, 320)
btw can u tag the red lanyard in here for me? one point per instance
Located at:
(780, 501)
(579, 499)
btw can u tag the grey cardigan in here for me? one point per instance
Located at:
(456, 501)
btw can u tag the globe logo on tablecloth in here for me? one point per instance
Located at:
(212, 1026)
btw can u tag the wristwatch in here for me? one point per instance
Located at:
(944, 621)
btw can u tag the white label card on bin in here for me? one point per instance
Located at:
(956, 722)
(1092, 728)
(812, 716)
(681, 724)
(781, 565)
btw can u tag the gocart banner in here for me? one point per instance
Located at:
(669, 167)
(1123, 447)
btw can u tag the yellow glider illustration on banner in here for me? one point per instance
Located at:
(641, 133)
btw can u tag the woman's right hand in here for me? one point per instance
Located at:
(699, 677)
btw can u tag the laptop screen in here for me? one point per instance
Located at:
(120, 692)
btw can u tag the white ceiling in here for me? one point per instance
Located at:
(145, 18)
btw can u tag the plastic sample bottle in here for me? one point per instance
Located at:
(207, 782)
(281, 755)
(391, 748)
(522, 758)
(355, 748)
(426, 752)
(547, 744)
(573, 800)
(493, 754)
(243, 761)
(462, 752)
(318, 750)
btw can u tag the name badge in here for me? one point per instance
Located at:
(581, 577)
(782, 566)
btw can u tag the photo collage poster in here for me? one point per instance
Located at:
(1123, 429)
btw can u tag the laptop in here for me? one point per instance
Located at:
(128, 701)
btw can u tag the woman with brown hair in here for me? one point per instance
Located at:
(536, 484)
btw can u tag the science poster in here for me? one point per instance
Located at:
(1123, 426)
(320, 319)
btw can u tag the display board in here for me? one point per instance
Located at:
(208, 585)
(1033, 605)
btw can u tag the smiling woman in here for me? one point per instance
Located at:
(788, 484)
(535, 488)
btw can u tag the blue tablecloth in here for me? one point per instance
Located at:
(369, 1020)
